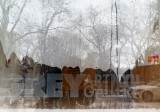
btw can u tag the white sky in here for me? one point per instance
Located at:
(84, 4)
(78, 5)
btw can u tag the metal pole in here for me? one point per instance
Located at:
(117, 38)
(111, 38)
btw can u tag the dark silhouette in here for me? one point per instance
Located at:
(49, 101)
(67, 101)
(126, 74)
(112, 75)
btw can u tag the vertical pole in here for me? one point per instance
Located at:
(159, 20)
(117, 38)
(159, 15)
(111, 38)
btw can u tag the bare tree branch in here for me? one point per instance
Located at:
(1, 3)
(35, 32)
(4, 3)
(87, 38)
(14, 26)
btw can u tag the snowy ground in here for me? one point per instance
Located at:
(109, 102)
